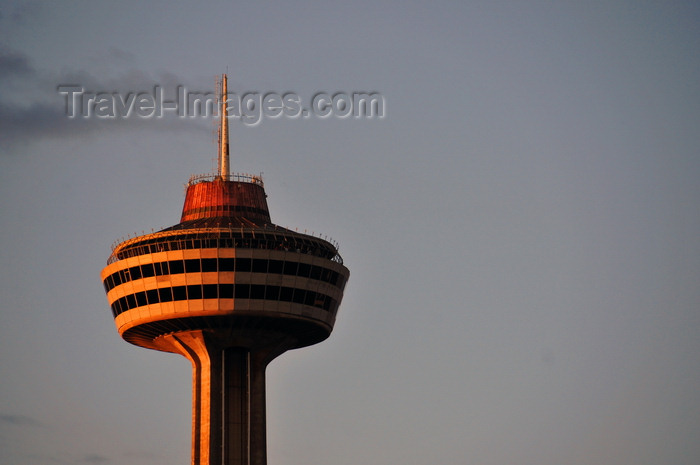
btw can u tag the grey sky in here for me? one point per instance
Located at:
(521, 227)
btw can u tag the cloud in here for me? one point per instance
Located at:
(18, 420)
(32, 109)
(14, 64)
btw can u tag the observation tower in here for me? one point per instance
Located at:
(230, 291)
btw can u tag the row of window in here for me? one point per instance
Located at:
(196, 265)
(224, 291)
(227, 209)
(229, 240)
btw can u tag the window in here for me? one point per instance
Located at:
(299, 295)
(226, 291)
(147, 270)
(286, 294)
(315, 273)
(194, 291)
(275, 267)
(165, 294)
(161, 268)
(272, 292)
(241, 291)
(177, 267)
(304, 270)
(226, 264)
(310, 298)
(211, 291)
(259, 266)
(243, 264)
(135, 272)
(141, 299)
(192, 266)
(180, 293)
(209, 264)
(152, 296)
(257, 291)
(290, 268)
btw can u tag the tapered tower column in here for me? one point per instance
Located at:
(228, 398)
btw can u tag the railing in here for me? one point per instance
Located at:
(283, 239)
(238, 177)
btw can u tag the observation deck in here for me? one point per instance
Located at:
(225, 265)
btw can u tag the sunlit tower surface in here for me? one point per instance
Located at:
(230, 291)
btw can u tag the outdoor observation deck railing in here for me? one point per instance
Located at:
(237, 177)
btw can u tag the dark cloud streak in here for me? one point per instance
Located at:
(14, 64)
(18, 420)
(32, 109)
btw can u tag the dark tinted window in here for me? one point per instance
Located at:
(166, 294)
(226, 264)
(192, 265)
(290, 268)
(310, 298)
(177, 267)
(259, 266)
(286, 294)
(147, 270)
(152, 295)
(275, 266)
(161, 268)
(210, 291)
(257, 291)
(272, 292)
(226, 291)
(241, 291)
(141, 299)
(315, 272)
(135, 272)
(243, 264)
(194, 291)
(179, 293)
(304, 270)
(299, 295)
(209, 264)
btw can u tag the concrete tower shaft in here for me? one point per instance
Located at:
(230, 291)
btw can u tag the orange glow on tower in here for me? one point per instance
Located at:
(230, 291)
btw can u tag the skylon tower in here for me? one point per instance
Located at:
(230, 291)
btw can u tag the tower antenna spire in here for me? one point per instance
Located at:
(223, 132)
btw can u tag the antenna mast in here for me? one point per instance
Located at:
(223, 132)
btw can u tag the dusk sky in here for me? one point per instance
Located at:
(522, 226)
